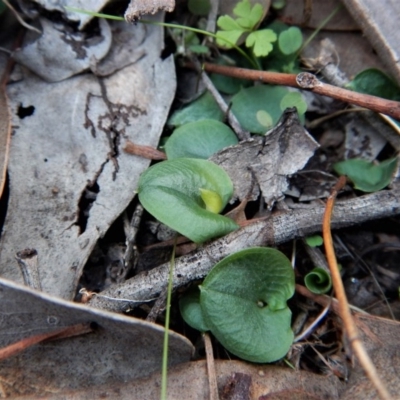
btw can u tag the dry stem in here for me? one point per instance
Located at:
(308, 81)
(344, 310)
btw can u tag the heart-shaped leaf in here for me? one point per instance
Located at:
(200, 139)
(171, 191)
(189, 306)
(243, 300)
(375, 82)
(365, 175)
(290, 40)
(253, 105)
(205, 107)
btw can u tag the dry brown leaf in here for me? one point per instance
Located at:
(190, 381)
(312, 13)
(379, 21)
(67, 164)
(120, 349)
(266, 162)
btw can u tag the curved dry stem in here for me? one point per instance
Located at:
(344, 310)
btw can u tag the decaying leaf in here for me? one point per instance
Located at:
(119, 349)
(43, 55)
(58, 5)
(5, 134)
(264, 163)
(138, 8)
(246, 381)
(70, 178)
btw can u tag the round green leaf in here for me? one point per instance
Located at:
(294, 99)
(365, 175)
(318, 281)
(171, 192)
(247, 104)
(205, 107)
(314, 241)
(189, 306)
(375, 82)
(200, 139)
(264, 118)
(243, 300)
(290, 40)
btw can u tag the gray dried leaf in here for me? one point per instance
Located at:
(118, 350)
(265, 163)
(69, 176)
(58, 5)
(138, 8)
(61, 52)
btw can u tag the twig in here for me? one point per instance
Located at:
(344, 310)
(19, 18)
(308, 81)
(144, 151)
(278, 228)
(212, 378)
(62, 333)
(233, 122)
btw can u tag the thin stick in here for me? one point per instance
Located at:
(344, 310)
(212, 378)
(62, 333)
(164, 370)
(233, 122)
(308, 81)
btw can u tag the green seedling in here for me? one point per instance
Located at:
(200, 139)
(242, 302)
(178, 193)
(318, 281)
(245, 24)
(314, 241)
(259, 108)
(375, 82)
(366, 176)
(205, 107)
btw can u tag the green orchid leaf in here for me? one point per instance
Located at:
(227, 84)
(261, 42)
(375, 82)
(256, 105)
(367, 176)
(199, 139)
(170, 191)
(294, 99)
(189, 306)
(205, 107)
(264, 119)
(318, 281)
(212, 200)
(290, 40)
(314, 241)
(243, 300)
